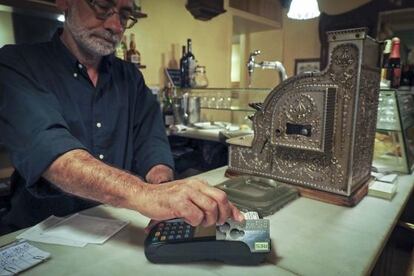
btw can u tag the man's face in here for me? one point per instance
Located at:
(97, 37)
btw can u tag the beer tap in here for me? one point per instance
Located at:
(275, 65)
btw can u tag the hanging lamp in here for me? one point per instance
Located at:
(303, 9)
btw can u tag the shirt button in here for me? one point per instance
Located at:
(75, 75)
(101, 156)
(98, 125)
(80, 66)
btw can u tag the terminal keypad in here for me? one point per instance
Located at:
(172, 231)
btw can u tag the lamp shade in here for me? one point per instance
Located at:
(303, 9)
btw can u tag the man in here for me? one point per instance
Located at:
(75, 120)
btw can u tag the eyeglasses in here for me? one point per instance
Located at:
(104, 9)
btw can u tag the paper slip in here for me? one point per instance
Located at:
(385, 177)
(86, 229)
(382, 189)
(36, 233)
(389, 178)
(19, 256)
(76, 230)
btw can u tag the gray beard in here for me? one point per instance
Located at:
(95, 42)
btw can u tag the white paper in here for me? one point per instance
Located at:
(85, 229)
(382, 189)
(20, 256)
(36, 233)
(389, 178)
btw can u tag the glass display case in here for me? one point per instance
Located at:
(394, 139)
(227, 104)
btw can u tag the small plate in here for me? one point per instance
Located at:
(211, 125)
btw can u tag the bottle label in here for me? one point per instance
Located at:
(135, 59)
(169, 120)
(384, 73)
(119, 52)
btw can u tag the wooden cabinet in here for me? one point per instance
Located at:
(269, 9)
(255, 16)
(205, 9)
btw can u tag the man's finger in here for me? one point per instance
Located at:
(236, 214)
(224, 208)
(208, 206)
(191, 213)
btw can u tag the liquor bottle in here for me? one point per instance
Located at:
(124, 44)
(121, 49)
(394, 63)
(119, 52)
(385, 59)
(183, 68)
(167, 110)
(133, 55)
(191, 63)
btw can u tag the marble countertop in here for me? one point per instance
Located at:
(308, 238)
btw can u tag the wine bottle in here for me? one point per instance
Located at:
(394, 63)
(133, 55)
(385, 75)
(168, 111)
(191, 63)
(183, 68)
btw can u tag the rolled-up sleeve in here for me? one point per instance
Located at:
(31, 125)
(151, 146)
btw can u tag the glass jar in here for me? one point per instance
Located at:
(200, 77)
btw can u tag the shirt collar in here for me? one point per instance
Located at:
(70, 60)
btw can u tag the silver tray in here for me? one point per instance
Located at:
(263, 195)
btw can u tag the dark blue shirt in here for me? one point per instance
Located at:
(49, 106)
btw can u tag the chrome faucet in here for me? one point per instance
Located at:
(275, 65)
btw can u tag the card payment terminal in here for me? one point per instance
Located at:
(175, 241)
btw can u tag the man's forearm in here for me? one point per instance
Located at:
(78, 172)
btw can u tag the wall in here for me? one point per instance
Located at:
(297, 39)
(301, 40)
(167, 27)
(169, 24)
(6, 28)
(271, 45)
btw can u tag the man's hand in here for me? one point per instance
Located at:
(159, 174)
(190, 199)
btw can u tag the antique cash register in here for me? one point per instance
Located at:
(316, 130)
